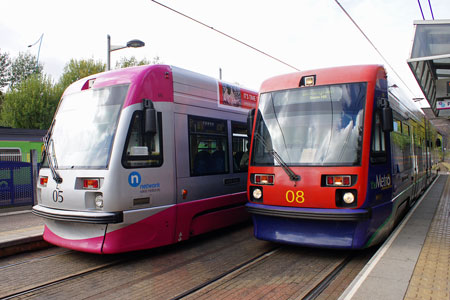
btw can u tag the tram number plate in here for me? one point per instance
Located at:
(293, 197)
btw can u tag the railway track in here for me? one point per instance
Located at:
(30, 274)
(263, 278)
(228, 263)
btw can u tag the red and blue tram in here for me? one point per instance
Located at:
(337, 155)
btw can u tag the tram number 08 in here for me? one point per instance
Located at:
(297, 197)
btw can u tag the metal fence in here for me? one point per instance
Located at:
(10, 154)
(16, 184)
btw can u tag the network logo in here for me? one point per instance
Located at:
(134, 179)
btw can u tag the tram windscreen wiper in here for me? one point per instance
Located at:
(286, 168)
(47, 141)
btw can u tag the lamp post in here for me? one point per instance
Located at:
(39, 50)
(111, 48)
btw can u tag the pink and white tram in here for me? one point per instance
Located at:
(143, 157)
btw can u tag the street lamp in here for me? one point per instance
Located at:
(111, 48)
(39, 50)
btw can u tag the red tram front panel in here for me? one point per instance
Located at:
(312, 190)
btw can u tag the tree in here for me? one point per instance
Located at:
(2, 96)
(5, 63)
(22, 67)
(31, 104)
(77, 69)
(132, 61)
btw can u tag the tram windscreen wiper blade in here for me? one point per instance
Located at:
(47, 141)
(289, 172)
(286, 168)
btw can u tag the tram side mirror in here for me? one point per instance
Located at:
(149, 117)
(387, 119)
(250, 118)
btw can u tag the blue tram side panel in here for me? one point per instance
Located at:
(379, 187)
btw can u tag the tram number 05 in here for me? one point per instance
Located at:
(297, 197)
(58, 196)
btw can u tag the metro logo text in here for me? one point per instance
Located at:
(381, 182)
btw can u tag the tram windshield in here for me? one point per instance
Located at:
(314, 126)
(84, 128)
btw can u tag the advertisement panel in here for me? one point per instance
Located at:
(234, 96)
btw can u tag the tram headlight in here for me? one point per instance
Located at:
(257, 194)
(348, 198)
(99, 201)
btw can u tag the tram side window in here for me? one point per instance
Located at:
(240, 145)
(143, 150)
(407, 158)
(406, 130)
(378, 150)
(208, 145)
(397, 126)
(397, 144)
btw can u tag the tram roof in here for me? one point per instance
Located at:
(430, 63)
(323, 76)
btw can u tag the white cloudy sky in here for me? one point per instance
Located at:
(304, 33)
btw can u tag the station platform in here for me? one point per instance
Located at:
(20, 230)
(413, 263)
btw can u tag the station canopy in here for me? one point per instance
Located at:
(430, 63)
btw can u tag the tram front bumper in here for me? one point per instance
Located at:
(328, 228)
(92, 217)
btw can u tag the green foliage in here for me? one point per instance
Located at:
(77, 69)
(5, 63)
(132, 61)
(31, 104)
(22, 67)
(32, 98)
(2, 97)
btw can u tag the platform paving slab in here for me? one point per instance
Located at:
(20, 231)
(395, 271)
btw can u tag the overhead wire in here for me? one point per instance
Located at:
(279, 60)
(227, 35)
(421, 11)
(373, 45)
(431, 9)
